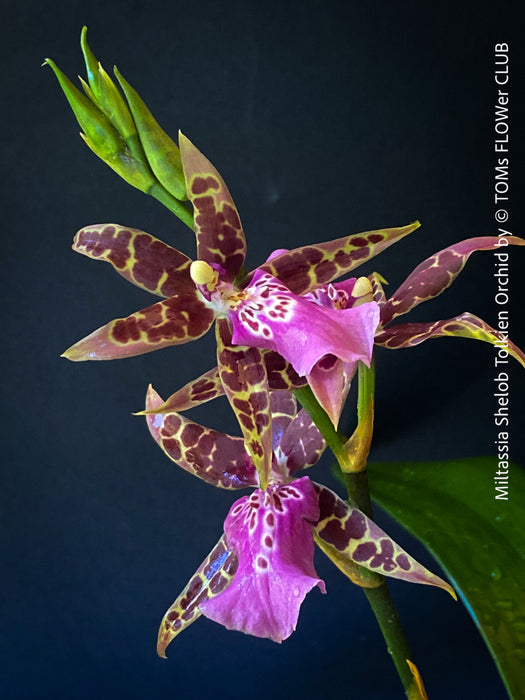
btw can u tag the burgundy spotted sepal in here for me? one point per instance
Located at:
(298, 446)
(466, 325)
(212, 577)
(174, 321)
(435, 274)
(243, 375)
(281, 376)
(214, 457)
(348, 533)
(310, 266)
(140, 258)
(220, 237)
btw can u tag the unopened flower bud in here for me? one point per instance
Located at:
(126, 136)
(102, 136)
(162, 153)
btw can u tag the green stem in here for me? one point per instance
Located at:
(356, 484)
(387, 617)
(180, 209)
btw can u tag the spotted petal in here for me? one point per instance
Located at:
(212, 577)
(310, 266)
(302, 331)
(281, 376)
(466, 325)
(301, 445)
(437, 273)
(220, 238)
(271, 534)
(175, 321)
(348, 533)
(217, 458)
(142, 259)
(245, 382)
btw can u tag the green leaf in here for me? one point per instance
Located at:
(479, 541)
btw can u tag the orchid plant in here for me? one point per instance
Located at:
(285, 331)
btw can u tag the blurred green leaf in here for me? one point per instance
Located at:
(478, 540)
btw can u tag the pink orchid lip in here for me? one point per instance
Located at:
(301, 331)
(272, 536)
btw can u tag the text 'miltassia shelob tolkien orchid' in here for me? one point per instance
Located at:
(256, 577)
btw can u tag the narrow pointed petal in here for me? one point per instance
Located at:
(243, 375)
(302, 445)
(330, 381)
(302, 331)
(217, 458)
(435, 274)
(305, 268)
(466, 325)
(175, 321)
(205, 388)
(212, 577)
(140, 258)
(281, 376)
(214, 457)
(355, 536)
(271, 534)
(220, 238)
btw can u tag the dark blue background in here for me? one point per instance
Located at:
(325, 118)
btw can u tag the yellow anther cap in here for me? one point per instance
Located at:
(202, 273)
(362, 287)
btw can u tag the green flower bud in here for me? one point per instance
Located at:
(102, 137)
(162, 153)
(105, 94)
(126, 137)
(94, 123)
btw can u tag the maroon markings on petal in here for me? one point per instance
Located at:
(364, 551)
(243, 375)
(212, 577)
(377, 288)
(302, 444)
(347, 535)
(281, 376)
(206, 387)
(303, 269)
(435, 274)
(220, 238)
(217, 458)
(466, 325)
(142, 259)
(175, 321)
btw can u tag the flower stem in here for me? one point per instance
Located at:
(355, 478)
(180, 209)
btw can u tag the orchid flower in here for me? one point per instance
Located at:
(265, 310)
(256, 577)
(330, 378)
